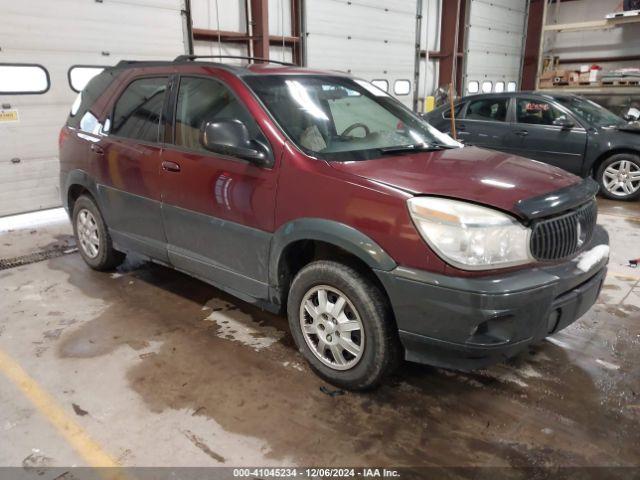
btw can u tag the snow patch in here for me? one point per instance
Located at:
(558, 343)
(607, 365)
(588, 259)
(239, 327)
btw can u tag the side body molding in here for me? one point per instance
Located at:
(329, 231)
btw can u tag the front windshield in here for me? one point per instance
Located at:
(590, 112)
(343, 119)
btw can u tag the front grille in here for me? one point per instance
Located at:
(560, 237)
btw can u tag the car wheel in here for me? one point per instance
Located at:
(619, 177)
(342, 323)
(92, 236)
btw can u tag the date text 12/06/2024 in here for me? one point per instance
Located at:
(315, 473)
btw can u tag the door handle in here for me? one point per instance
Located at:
(170, 166)
(97, 149)
(522, 133)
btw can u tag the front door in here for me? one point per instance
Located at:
(218, 210)
(534, 135)
(128, 165)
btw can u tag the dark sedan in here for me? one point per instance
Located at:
(564, 130)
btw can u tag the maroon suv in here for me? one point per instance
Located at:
(319, 195)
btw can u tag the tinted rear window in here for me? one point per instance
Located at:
(81, 108)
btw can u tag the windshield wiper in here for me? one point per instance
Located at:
(416, 147)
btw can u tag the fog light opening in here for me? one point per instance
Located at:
(553, 320)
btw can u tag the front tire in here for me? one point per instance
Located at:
(342, 324)
(92, 236)
(619, 177)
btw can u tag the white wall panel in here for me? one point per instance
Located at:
(280, 17)
(232, 15)
(373, 39)
(495, 40)
(429, 40)
(58, 34)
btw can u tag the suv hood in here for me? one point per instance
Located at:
(482, 176)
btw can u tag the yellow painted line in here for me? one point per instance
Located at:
(73, 433)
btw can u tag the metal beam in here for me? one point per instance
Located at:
(260, 23)
(296, 48)
(532, 45)
(238, 37)
(453, 15)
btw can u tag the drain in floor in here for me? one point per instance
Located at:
(6, 263)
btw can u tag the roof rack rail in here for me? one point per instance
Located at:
(185, 58)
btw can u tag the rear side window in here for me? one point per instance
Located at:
(202, 100)
(488, 109)
(19, 79)
(81, 115)
(138, 111)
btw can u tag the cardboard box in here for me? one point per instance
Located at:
(584, 77)
(546, 83)
(548, 75)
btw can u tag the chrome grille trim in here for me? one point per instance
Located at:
(563, 236)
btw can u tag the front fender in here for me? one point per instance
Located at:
(328, 231)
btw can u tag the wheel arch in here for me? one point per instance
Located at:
(595, 166)
(301, 241)
(77, 183)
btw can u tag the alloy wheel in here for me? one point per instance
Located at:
(88, 234)
(622, 178)
(332, 327)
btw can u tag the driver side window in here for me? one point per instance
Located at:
(202, 100)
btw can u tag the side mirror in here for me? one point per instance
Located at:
(564, 122)
(231, 137)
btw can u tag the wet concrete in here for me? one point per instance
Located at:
(148, 351)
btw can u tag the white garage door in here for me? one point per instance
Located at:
(494, 44)
(372, 39)
(58, 35)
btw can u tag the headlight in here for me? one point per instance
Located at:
(469, 236)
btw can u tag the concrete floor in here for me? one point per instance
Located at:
(159, 369)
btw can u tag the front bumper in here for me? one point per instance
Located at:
(467, 323)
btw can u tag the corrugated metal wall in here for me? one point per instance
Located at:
(58, 34)
(614, 42)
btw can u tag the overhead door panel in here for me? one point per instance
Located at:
(58, 35)
(494, 43)
(373, 39)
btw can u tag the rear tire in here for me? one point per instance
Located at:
(92, 236)
(619, 177)
(347, 334)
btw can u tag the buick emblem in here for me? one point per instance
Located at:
(581, 235)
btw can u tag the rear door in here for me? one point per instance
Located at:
(534, 134)
(128, 166)
(218, 210)
(484, 123)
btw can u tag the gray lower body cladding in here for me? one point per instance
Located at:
(468, 323)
